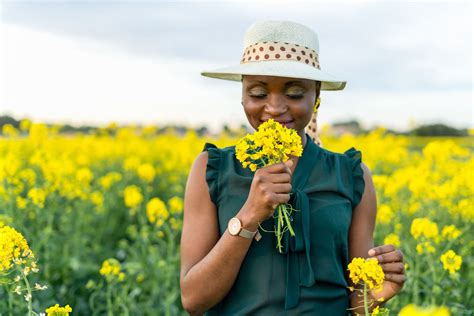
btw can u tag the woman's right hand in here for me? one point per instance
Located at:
(271, 186)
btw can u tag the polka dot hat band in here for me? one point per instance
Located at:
(278, 51)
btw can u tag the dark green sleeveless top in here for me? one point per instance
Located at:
(309, 278)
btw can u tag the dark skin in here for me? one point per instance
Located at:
(207, 258)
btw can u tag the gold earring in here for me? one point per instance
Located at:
(317, 104)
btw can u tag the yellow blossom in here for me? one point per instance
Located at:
(450, 232)
(146, 172)
(451, 261)
(56, 310)
(424, 227)
(392, 239)
(14, 248)
(367, 270)
(37, 196)
(156, 211)
(413, 310)
(133, 196)
(175, 205)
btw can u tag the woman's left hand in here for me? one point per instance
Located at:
(391, 261)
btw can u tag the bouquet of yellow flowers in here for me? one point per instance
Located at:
(369, 273)
(272, 143)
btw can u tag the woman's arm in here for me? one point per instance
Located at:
(362, 230)
(209, 264)
(361, 241)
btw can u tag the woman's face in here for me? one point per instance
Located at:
(289, 101)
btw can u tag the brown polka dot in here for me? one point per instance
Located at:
(311, 55)
(272, 48)
(314, 120)
(306, 61)
(275, 42)
(298, 57)
(266, 56)
(288, 55)
(249, 58)
(261, 49)
(303, 52)
(253, 50)
(264, 42)
(257, 57)
(293, 50)
(277, 55)
(306, 47)
(313, 129)
(282, 48)
(314, 64)
(297, 45)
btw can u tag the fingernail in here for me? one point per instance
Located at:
(371, 252)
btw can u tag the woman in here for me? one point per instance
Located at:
(227, 266)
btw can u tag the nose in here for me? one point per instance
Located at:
(276, 104)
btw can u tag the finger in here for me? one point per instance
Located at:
(281, 187)
(280, 178)
(279, 168)
(282, 197)
(381, 249)
(396, 267)
(397, 278)
(394, 256)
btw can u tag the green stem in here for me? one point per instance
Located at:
(287, 219)
(432, 268)
(279, 230)
(28, 289)
(366, 305)
(109, 300)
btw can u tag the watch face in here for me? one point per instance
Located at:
(234, 226)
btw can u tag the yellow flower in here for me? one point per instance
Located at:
(37, 196)
(451, 261)
(133, 196)
(450, 232)
(109, 179)
(424, 227)
(156, 211)
(111, 270)
(56, 310)
(146, 172)
(413, 310)
(392, 239)
(367, 270)
(271, 143)
(425, 246)
(384, 214)
(14, 248)
(84, 175)
(176, 205)
(9, 130)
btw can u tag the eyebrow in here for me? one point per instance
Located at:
(286, 84)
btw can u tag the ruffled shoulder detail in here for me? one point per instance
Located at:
(212, 170)
(355, 158)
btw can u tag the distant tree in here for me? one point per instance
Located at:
(438, 130)
(6, 119)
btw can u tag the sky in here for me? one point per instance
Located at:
(77, 62)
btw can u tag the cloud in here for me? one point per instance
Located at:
(66, 79)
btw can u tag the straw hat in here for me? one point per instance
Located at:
(279, 48)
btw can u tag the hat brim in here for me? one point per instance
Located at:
(284, 68)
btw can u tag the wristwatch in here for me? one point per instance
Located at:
(236, 229)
